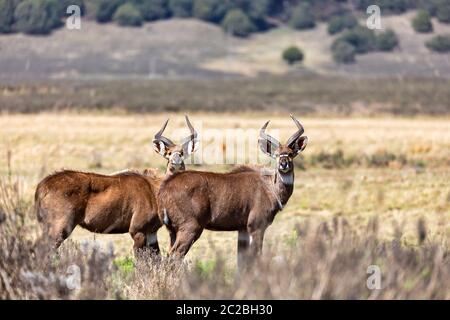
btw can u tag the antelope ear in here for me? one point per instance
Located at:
(299, 145)
(160, 147)
(190, 147)
(267, 147)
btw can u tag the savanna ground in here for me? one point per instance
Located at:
(394, 171)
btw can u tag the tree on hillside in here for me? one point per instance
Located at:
(343, 52)
(152, 10)
(340, 23)
(302, 17)
(128, 16)
(443, 11)
(237, 23)
(181, 8)
(106, 10)
(37, 16)
(440, 44)
(211, 10)
(361, 38)
(422, 22)
(64, 4)
(387, 41)
(7, 8)
(293, 55)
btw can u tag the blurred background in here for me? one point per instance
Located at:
(375, 103)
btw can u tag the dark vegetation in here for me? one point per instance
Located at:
(311, 94)
(422, 22)
(440, 43)
(293, 55)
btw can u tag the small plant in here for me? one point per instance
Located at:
(181, 8)
(106, 10)
(343, 52)
(361, 38)
(302, 18)
(293, 55)
(422, 22)
(440, 44)
(443, 11)
(6, 15)
(387, 41)
(237, 23)
(37, 16)
(127, 15)
(340, 23)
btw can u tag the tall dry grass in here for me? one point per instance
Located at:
(323, 261)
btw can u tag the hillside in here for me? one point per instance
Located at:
(189, 48)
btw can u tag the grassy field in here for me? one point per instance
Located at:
(393, 169)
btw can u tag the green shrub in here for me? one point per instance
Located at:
(152, 9)
(302, 18)
(237, 23)
(64, 4)
(7, 8)
(210, 10)
(127, 15)
(389, 6)
(443, 11)
(340, 23)
(37, 16)
(422, 22)
(387, 41)
(440, 44)
(293, 55)
(181, 8)
(343, 52)
(361, 38)
(106, 10)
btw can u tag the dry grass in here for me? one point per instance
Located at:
(348, 175)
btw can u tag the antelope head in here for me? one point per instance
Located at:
(175, 153)
(283, 153)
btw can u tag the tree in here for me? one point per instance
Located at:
(362, 39)
(152, 9)
(443, 11)
(37, 16)
(7, 8)
(440, 44)
(343, 52)
(64, 4)
(293, 55)
(302, 17)
(181, 8)
(237, 23)
(387, 41)
(106, 10)
(128, 15)
(210, 10)
(422, 22)
(340, 23)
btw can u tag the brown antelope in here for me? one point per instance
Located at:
(244, 200)
(118, 203)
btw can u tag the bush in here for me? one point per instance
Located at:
(343, 52)
(7, 15)
(361, 38)
(181, 8)
(443, 11)
(440, 44)
(422, 22)
(64, 4)
(387, 41)
(152, 9)
(210, 10)
(128, 15)
(106, 10)
(237, 23)
(340, 23)
(293, 55)
(37, 16)
(390, 6)
(302, 18)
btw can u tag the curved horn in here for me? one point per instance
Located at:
(265, 136)
(298, 134)
(190, 143)
(160, 137)
(191, 128)
(267, 143)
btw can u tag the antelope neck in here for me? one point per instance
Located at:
(284, 183)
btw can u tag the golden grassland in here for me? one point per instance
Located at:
(398, 192)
